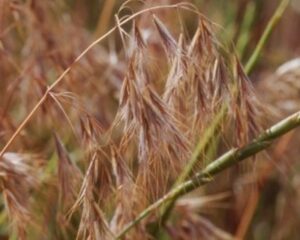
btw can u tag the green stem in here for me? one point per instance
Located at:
(202, 145)
(266, 34)
(246, 25)
(225, 161)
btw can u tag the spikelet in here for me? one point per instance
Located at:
(69, 175)
(245, 106)
(168, 40)
(220, 81)
(93, 224)
(176, 83)
(126, 207)
(202, 54)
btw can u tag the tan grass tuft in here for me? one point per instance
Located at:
(18, 177)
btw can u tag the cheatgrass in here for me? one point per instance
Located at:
(114, 132)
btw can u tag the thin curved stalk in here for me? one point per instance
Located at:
(266, 35)
(225, 161)
(244, 36)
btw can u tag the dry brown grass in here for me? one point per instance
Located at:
(110, 128)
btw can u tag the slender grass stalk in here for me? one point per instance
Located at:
(220, 116)
(225, 161)
(104, 17)
(266, 34)
(244, 36)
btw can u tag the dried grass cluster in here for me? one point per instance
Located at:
(131, 117)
